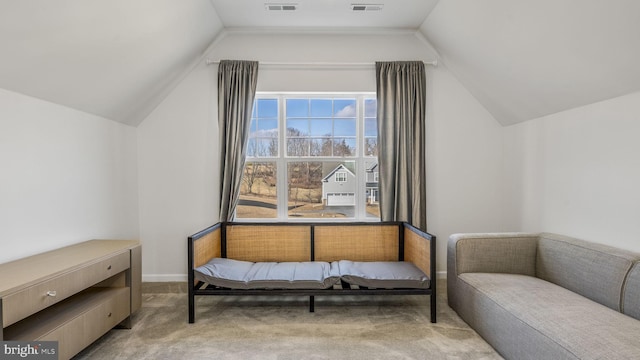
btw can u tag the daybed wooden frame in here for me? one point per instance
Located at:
(279, 242)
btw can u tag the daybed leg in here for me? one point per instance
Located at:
(433, 306)
(192, 305)
(311, 304)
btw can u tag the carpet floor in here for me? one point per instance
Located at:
(258, 327)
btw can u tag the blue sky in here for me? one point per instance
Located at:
(315, 117)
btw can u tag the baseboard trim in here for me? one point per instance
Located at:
(164, 277)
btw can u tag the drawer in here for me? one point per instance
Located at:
(109, 314)
(69, 337)
(28, 301)
(108, 309)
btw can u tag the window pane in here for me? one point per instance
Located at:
(344, 147)
(370, 107)
(321, 127)
(371, 146)
(268, 125)
(298, 147)
(297, 108)
(370, 127)
(266, 147)
(344, 108)
(297, 127)
(344, 127)
(321, 107)
(372, 196)
(258, 197)
(321, 146)
(314, 193)
(251, 147)
(266, 108)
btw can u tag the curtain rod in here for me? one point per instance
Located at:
(319, 64)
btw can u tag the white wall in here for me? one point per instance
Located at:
(577, 173)
(464, 163)
(65, 177)
(177, 145)
(178, 165)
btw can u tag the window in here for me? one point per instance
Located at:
(311, 156)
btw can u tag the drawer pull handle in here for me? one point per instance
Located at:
(109, 268)
(109, 315)
(51, 293)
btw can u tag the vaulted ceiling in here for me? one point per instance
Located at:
(521, 59)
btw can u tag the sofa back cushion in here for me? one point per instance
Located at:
(592, 270)
(631, 294)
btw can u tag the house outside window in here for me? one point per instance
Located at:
(309, 157)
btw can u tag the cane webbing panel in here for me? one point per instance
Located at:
(356, 242)
(418, 251)
(207, 247)
(257, 243)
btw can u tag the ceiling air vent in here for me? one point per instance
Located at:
(281, 7)
(366, 7)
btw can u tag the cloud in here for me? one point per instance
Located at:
(265, 133)
(347, 111)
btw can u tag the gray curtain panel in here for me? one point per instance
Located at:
(236, 91)
(401, 95)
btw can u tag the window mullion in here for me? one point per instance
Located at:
(283, 193)
(360, 168)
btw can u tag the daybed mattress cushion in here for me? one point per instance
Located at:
(383, 274)
(236, 274)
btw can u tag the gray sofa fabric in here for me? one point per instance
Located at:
(592, 270)
(383, 274)
(569, 307)
(236, 274)
(631, 295)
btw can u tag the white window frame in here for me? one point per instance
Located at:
(283, 159)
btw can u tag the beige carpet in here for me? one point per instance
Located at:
(382, 327)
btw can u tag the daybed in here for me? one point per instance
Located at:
(232, 258)
(546, 296)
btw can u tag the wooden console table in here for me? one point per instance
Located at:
(72, 295)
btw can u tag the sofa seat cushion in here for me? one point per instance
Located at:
(547, 313)
(383, 274)
(236, 274)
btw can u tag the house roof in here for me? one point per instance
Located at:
(339, 167)
(119, 59)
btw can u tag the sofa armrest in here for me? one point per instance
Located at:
(513, 253)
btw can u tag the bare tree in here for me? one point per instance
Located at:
(341, 148)
(249, 176)
(371, 146)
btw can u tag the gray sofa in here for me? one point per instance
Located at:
(546, 296)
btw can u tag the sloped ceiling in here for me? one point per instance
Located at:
(527, 59)
(112, 58)
(521, 59)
